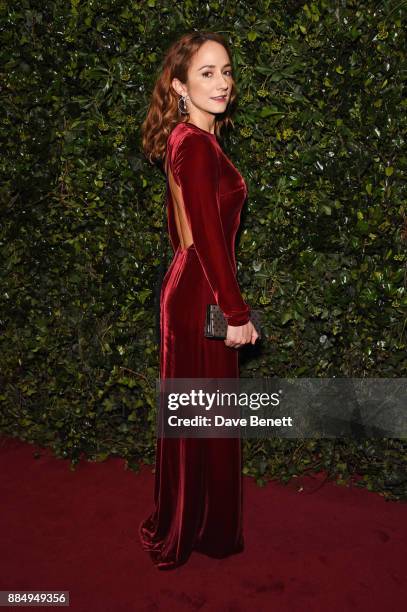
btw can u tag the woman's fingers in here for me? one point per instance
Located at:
(247, 334)
(251, 340)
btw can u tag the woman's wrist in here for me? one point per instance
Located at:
(236, 320)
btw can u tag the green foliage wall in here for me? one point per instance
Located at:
(320, 139)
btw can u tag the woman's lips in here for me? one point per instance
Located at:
(219, 99)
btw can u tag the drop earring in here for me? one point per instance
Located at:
(183, 100)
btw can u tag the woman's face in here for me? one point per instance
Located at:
(209, 76)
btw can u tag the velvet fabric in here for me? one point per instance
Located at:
(198, 481)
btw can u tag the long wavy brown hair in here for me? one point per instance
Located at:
(163, 113)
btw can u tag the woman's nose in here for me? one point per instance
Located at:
(223, 82)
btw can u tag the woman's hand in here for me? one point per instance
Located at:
(238, 335)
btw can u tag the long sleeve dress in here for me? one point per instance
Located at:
(198, 481)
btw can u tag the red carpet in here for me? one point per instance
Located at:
(337, 549)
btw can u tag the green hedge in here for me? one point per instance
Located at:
(322, 244)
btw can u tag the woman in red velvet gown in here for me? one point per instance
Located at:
(198, 481)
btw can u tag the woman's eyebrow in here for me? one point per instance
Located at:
(212, 66)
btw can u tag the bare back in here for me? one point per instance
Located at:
(183, 230)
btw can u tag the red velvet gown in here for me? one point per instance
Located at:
(198, 481)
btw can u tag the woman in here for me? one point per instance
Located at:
(198, 481)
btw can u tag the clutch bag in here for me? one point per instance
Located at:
(216, 324)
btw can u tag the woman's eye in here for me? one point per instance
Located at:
(205, 73)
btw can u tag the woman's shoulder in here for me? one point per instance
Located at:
(188, 144)
(184, 130)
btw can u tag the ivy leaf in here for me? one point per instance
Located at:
(252, 36)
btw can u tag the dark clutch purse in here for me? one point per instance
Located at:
(216, 325)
